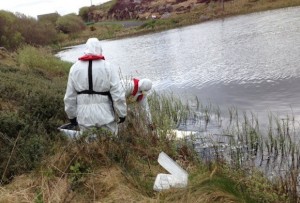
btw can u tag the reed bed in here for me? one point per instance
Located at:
(273, 151)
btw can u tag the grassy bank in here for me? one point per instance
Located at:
(199, 13)
(39, 164)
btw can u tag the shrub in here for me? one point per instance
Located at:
(42, 59)
(70, 23)
(10, 37)
(52, 18)
(18, 29)
(28, 124)
(83, 13)
(42, 106)
(10, 124)
(36, 32)
(21, 154)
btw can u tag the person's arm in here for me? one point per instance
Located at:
(70, 98)
(144, 104)
(118, 94)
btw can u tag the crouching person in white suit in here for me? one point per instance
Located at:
(137, 91)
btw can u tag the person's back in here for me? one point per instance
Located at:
(94, 91)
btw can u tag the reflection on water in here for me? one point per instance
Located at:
(250, 62)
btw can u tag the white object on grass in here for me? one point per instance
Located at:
(178, 177)
(183, 133)
(73, 134)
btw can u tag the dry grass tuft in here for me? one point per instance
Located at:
(20, 190)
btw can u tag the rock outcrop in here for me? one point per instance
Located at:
(145, 9)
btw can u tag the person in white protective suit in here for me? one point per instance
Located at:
(94, 92)
(136, 91)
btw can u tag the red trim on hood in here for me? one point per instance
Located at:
(135, 89)
(135, 86)
(91, 57)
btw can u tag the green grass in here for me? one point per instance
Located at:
(41, 60)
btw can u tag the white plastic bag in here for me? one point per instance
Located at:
(72, 134)
(178, 177)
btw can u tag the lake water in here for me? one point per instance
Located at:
(251, 62)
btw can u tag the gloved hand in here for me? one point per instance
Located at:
(68, 126)
(74, 121)
(122, 119)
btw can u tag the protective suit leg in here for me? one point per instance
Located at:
(113, 127)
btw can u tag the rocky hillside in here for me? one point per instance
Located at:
(145, 9)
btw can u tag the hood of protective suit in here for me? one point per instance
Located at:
(93, 47)
(145, 84)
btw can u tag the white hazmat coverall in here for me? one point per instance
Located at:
(94, 109)
(136, 90)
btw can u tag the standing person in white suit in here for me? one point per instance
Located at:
(94, 92)
(136, 91)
